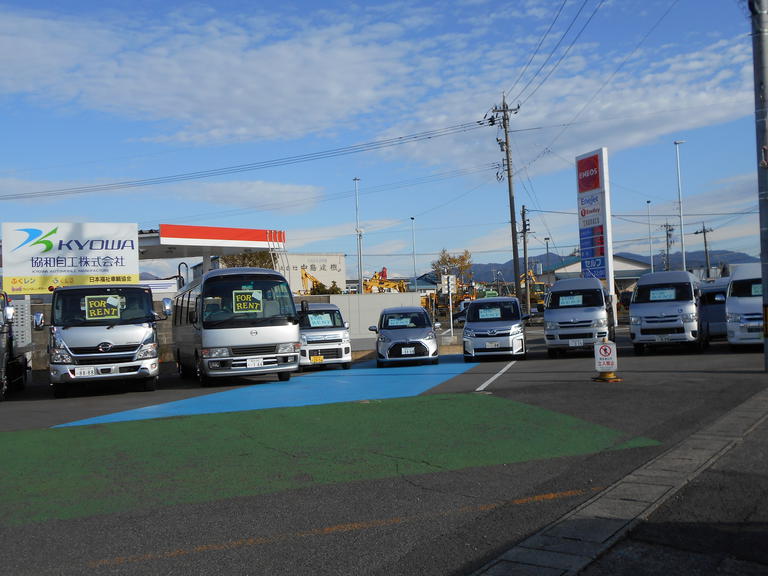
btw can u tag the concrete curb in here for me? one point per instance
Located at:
(570, 544)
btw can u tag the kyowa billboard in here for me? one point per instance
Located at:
(594, 211)
(40, 255)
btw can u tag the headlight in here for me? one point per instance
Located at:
(288, 347)
(384, 338)
(215, 352)
(600, 323)
(304, 339)
(731, 317)
(147, 351)
(60, 356)
(345, 336)
(550, 325)
(689, 317)
(469, 333)
(516, 329)
(635, 320)
(430, 336)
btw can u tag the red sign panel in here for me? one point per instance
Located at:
(588, 173)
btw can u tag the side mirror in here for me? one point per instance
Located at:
(167, 307)
(438, 325)
(38, 321)
(9, 313)
(719, 297)
(373, 328)
(346, 325)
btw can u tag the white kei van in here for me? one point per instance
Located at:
(577, 313)
(665, 311)
(744, 305)
(324, 336)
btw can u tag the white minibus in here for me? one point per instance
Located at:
(236, 322)
(744, 305)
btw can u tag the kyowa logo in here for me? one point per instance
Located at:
(35, 237)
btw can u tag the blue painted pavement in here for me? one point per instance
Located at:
(362, 382)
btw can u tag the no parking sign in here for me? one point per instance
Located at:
(605, 357)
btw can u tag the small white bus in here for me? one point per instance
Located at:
(236, 322)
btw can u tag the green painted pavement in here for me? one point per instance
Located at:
(108, 468)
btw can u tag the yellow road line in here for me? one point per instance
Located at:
(335, 529)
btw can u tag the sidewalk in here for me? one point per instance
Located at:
(699, 508)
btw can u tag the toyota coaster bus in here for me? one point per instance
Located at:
(236, 322)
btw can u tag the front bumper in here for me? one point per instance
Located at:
(140, 369)
(409, 351)
(250, 366)
(507, 345)
(673, 332)
(317, 355)
(745, 333)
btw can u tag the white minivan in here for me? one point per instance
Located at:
(665, 311)
(744, 305)
(577, 313)
(324, 336)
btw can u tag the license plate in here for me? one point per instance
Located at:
(410, 351)
(491, 344)
(254, 362)
(576, 342)
(85, 371)
(316, 359)
(662, 339)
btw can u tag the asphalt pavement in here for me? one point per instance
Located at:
(700, 508)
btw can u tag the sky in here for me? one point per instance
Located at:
(261, 115)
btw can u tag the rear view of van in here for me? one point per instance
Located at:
(743, 305)
(665, 311)
(577, 313)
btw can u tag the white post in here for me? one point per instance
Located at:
(680, 199)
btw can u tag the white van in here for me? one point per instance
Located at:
(577, 313)
(324, 336)
(665, 311)
(744, 305)
(100, 333)
(495, 327)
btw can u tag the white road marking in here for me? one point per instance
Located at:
(487, 383)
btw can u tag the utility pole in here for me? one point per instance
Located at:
(526, 229)
(759, 12)
(668, 228)
(504, 110)
(359, 234)
(704, 231)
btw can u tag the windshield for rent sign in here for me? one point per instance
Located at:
(39, 255)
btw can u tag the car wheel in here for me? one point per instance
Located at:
(468, 358)
(60, 390)
(379, 364)
(180, 369)
(346, 365)
(3, 388)
(150, 384)
(283, 376)
(202, 377)
(552, 353)
(435, 361)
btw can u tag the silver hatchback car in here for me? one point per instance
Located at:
(406, 334)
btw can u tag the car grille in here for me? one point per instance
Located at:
(326, 352)
(93, 350)
(662, 331)
(577, 324)
(419, 350)
(253, 350)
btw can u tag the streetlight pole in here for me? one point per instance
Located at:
(650, 244)
(546, 241)
(680, 199)
(413, 248)
(359, 240)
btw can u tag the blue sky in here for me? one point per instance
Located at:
(95, 93)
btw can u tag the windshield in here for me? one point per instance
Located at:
(746, 288)
(246, 300)
(493, 311)
(672, 292)
(320, 319)
(404, 320)
(576, 299)
(102, 306)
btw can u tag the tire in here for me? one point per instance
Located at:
(180, 369)
(3, 388)
(379, 364)
(60, 390)
(202, 378)
(346, 365)
(283, 376)
(468, 359)
(552, 353)
(150, 384)
(435, 361)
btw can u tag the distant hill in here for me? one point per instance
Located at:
(147, 276)
(693, 259)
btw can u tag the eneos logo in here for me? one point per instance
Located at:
(588, 173)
